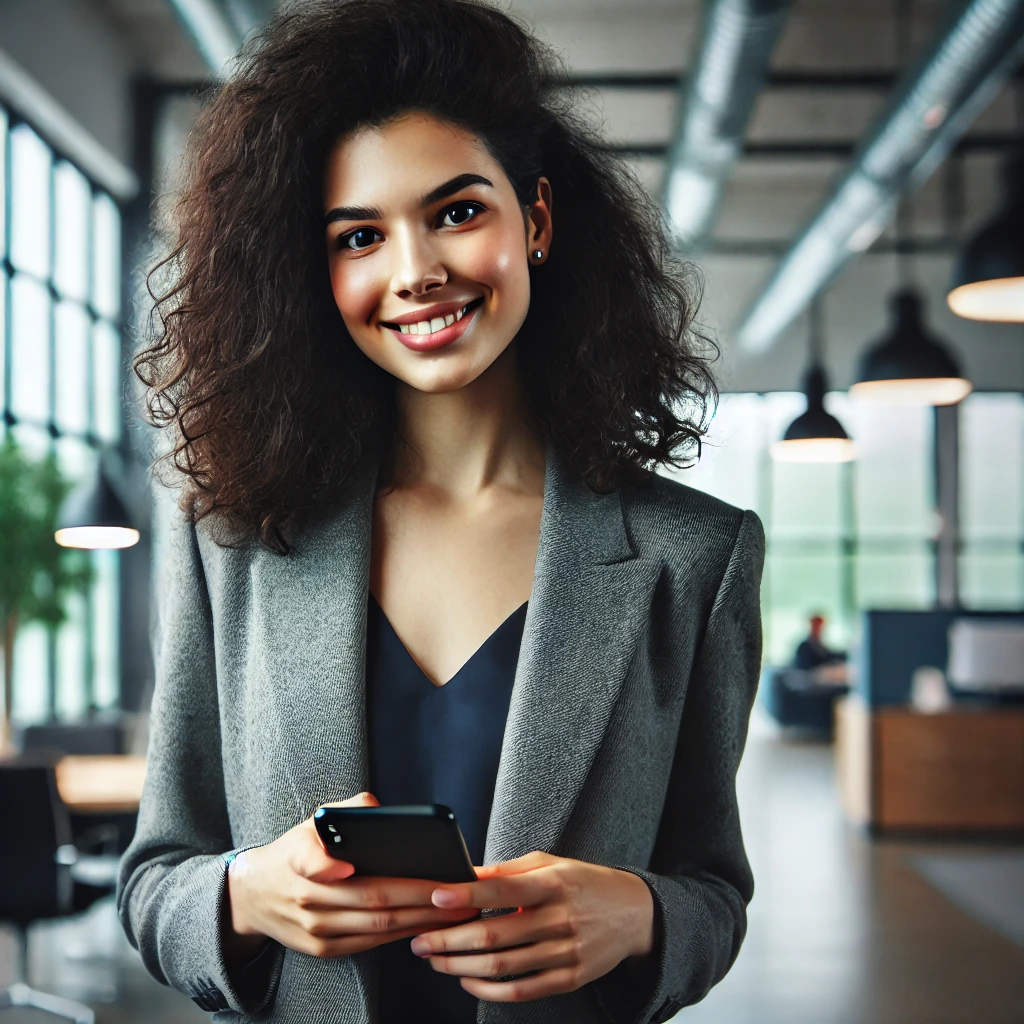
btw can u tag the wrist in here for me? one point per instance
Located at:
(243, 933)
(643, 931)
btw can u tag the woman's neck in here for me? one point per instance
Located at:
(461, 443)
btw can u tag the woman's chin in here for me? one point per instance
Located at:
(441, 381)
(444, 376)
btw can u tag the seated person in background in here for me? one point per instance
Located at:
(824, 664)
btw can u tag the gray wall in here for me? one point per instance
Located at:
(80, 58)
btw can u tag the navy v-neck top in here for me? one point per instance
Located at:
(435, 744)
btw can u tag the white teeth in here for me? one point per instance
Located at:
(438, 323)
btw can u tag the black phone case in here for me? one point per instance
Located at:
(415, 841)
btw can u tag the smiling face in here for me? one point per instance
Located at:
(429, 249)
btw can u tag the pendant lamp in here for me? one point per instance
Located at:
(815, 435)
(988, 278)
(95, 516)
(907, 366)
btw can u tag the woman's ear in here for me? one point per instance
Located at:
(538, 223)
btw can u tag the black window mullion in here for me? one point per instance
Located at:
(6, 353)
(51, 422)
(93, 436)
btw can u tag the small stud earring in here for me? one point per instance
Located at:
(538, 254)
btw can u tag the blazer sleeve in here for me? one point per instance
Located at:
(171, 891)
(699, 875)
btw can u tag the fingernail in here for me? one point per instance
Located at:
(420, 946)
(445, 898)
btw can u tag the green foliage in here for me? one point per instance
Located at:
(36, 573)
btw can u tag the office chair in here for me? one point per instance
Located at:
(112, 829)
(38, 868)
(75, 737)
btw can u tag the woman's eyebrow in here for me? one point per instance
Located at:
(353, 213)
(449, 188)
(452, 186)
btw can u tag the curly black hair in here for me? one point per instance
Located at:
(271, 405)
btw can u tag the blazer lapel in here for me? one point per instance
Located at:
(314, 619)
(590, 599)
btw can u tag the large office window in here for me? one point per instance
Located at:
(60, 390)
(842, 538)
(992, 501)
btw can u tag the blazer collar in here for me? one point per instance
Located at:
(587, 610)
(592, 524)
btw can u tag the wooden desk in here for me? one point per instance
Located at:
(960, 770)
(101, 784)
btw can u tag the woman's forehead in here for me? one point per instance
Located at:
(401, 160)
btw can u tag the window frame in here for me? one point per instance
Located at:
(91, 438)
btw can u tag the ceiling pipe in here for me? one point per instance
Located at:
(727, 72)
(977, 49)
(214, 29)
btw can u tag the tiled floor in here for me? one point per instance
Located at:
(842, 931)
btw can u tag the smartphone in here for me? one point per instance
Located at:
(414, 841)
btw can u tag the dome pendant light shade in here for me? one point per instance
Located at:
(988, 279)
(94, 516)
(815, 435)
(908, 366)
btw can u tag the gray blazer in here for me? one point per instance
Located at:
(638, 666)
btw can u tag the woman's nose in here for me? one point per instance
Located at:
(419, 268)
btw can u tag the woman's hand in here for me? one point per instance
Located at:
(576, 922)
(292, 891)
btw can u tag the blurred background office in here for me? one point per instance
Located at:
(849, 177)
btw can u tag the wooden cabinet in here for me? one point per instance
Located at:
(960, 770)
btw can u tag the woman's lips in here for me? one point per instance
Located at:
(445, 336)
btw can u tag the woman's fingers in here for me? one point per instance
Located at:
(317, 866)
(311, 859)
(342, 945)
(364, 892)
(539, 924)
(334, 923)
(364, 799)
(528, 862)
(537, 986)
(526, 889)
(540, 956)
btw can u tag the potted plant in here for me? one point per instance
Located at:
(37, 575)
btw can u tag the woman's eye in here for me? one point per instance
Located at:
(363, 238)
(459, 213)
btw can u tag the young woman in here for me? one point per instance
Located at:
(422, 347)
